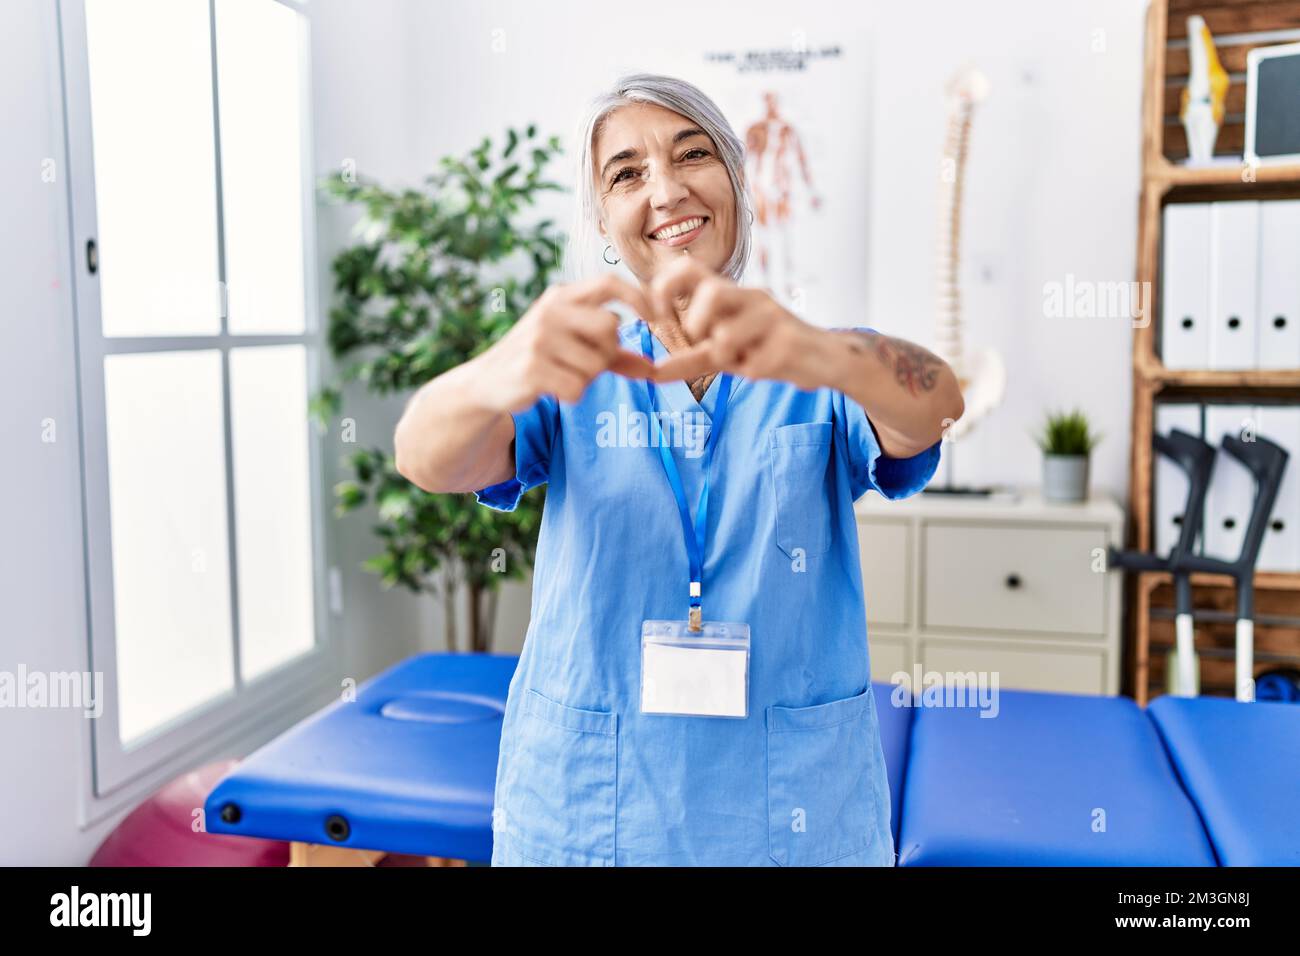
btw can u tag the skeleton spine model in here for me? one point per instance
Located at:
(980, 372)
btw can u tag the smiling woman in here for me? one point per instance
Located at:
(644, 148)
(694, 684)
(663, 193)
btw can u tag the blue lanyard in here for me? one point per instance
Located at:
(695, 534)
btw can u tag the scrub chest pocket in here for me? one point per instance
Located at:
(821, 780)
(800, 456)
(562, 782)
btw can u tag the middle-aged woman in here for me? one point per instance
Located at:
(695, 686)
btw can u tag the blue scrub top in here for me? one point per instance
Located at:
(584, 778)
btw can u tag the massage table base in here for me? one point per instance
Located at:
(317, 854)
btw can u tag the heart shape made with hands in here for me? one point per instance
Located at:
(713, 299)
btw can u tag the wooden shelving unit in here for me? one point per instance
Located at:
(1222, 175)
(1166, 179)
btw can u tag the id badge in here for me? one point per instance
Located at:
(702, 673)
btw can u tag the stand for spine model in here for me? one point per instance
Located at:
(1196, 458)
(1267, 462)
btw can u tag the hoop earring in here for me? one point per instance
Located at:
(605, 255)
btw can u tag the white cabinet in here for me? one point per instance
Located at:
(1000, 577)
(1025, 666)
(886, 549)
(1016, 587)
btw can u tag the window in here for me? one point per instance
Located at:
(197, 345)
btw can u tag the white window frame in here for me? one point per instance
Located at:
(281, 693)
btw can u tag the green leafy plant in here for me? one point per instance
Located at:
(437, 275)
(1067, 434)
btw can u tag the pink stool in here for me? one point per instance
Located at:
(160, 831)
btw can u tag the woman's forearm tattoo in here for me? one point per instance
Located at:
(914, 368)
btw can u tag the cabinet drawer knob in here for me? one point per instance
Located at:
(1013, 581)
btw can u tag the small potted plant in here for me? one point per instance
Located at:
(1066, 443)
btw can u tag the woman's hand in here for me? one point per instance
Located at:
(912, 395)
(564, 340)
(457, 434)
(734, 329)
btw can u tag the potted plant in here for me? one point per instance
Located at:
(1066, 443)
(438, 275)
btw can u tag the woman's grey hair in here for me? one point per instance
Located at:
(585, 245)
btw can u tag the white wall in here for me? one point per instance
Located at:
(41, 579)
(361, 91)
(369, 112)
(1051, 189)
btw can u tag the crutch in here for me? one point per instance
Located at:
(1195, 457)
(1266, 462)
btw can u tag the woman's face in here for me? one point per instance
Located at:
(653, 168)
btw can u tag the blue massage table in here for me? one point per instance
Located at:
(1052, 780)
(407, 767)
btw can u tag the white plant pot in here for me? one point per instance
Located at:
(1065, 477)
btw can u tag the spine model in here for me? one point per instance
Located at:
(980, 372)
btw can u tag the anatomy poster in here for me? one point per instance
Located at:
(801, 106)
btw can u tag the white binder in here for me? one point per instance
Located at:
(1185, 286)
(1279, 284)
(1171, 481)
(1280, 550)
(1234, 285)
(1232, 486)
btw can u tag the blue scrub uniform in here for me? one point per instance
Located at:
(584, 778)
